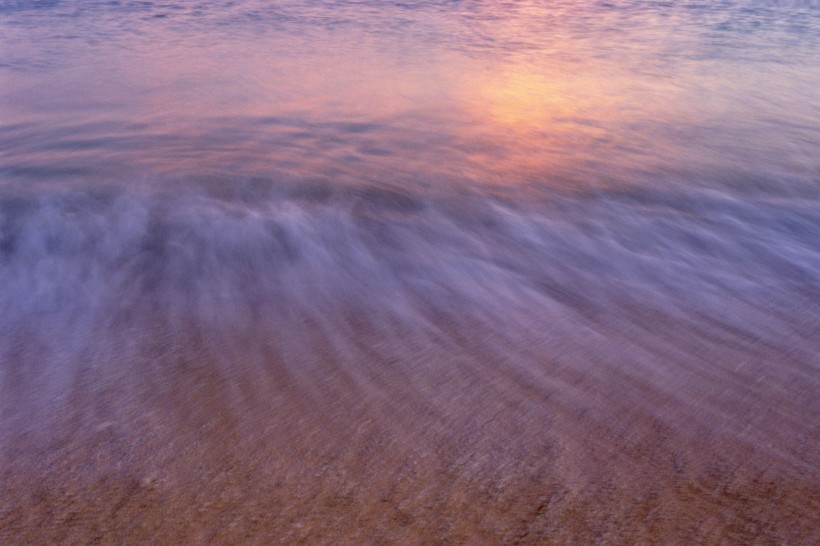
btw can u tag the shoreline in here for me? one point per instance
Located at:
(453, 445)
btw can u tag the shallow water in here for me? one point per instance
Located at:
(446, 272)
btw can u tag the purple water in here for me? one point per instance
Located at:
(317, 233)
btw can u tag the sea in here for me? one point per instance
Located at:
(508, 240)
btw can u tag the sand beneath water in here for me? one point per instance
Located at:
(405, 444)
(397, 372)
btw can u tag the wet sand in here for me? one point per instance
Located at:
(458, 431)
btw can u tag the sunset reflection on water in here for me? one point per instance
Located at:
(499, 95)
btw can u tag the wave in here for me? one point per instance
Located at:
(130, 298)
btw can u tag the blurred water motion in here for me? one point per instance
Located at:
(429, 272)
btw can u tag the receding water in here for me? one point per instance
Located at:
(418, 271)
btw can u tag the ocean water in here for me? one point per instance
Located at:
(576, 242)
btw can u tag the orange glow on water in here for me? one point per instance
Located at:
(531, 93)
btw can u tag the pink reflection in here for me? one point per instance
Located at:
(501, 95)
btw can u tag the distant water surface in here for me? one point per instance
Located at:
(391, 271)
(554, 93)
